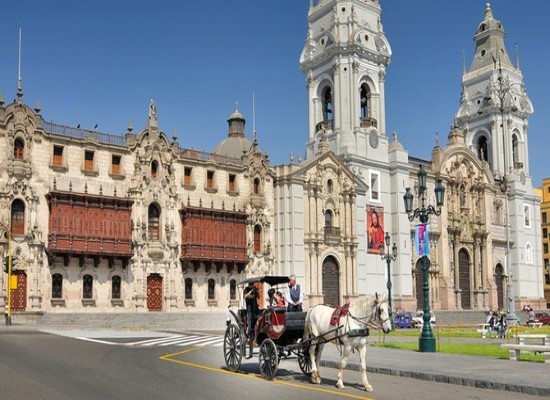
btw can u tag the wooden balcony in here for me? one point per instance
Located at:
(332, 235)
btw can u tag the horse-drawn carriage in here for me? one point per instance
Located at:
(278, 332)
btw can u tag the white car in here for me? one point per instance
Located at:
(418, 321)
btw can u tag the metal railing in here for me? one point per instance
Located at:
(79, 133)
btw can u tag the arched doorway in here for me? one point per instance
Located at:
(418, 281)
(19, 293)
(499, 281)
(154, 292)
(464, 279)
(331, 282)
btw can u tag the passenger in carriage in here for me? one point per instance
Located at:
(280, 300)
(294, 295)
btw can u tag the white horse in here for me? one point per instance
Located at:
(365, 310)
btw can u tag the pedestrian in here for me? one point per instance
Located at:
(251, 298)
(502, 325)
(228, 316)
(6, 316)
(294, 295)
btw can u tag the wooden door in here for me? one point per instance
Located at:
(19, 294)
(154, 292)
(331, 282)
(464, 279)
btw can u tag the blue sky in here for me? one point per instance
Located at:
(101, 62)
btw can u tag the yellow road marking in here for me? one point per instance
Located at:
(169, 358)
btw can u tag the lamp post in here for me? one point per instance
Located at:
(389, 258)
(8, 286)
(426, 342)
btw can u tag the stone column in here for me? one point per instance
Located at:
(381, 101)
(311, 105)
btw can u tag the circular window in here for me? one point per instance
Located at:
(478, 102)
(343, 9)
(330, 186)
(366, 38)
(345, 69)
(482, 53)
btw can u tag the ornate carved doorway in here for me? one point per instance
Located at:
(19, 293)
(331, 282)
(418, 281)
(499, 281)
(464, 279)
(154, 292)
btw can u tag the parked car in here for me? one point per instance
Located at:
(544, 318)
(418, 321)
(403, 320)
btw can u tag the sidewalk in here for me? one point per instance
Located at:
(480, 372)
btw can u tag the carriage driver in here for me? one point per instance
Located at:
(250, 294)
(294, 295)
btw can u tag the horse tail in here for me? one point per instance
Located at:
(307, 325)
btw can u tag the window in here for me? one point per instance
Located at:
(115, 164)
(187, 176)
(328, 114)
(89, 160)
(115, 287)
(545, 248)
(87, 286)
(210, 179)
(188, 289)
(154, 169)
(528, 254)
(232, 289)
(58, 156)
(57, 286)
(211, 289)
(544, 218)
(482, 148)
(365, 100)
(18, 149)
(544, 233)
(328, 218)
(375, 186)
(232, 183)
(515, 149)
(330, 186)
(257, 238)
(527, 214)
(257, 186)
(18, 217)
(154, 222)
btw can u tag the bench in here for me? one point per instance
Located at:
(534, 324)
(543, 346)
(483, 328)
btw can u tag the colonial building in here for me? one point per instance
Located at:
(136, 221)
(545, 225)
(492, 212)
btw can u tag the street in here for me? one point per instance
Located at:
(167, 365)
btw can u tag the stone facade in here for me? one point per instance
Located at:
(545, 225)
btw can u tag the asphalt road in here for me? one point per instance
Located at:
(36, 365)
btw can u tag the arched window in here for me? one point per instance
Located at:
(232, 289)
(328, 218)
(528, 254)
(154, 169)
(256, 185)
(188, 288)
(57, 286)
(515, 149)
(87, 286)
(115, 287)
(18, 149)
(365, 100)
(257, 238)
(211, 289)
(154, 222)
(18, 217)
(328, 112)
(482, 149)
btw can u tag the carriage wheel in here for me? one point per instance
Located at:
(233, 346)
(304, 360)
(269, 359)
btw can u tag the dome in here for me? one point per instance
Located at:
(236, 143)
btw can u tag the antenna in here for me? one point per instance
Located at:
(19, 86)
(517, 56)
(463, 62)
(254, 113)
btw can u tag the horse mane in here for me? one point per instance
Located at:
(367, 302)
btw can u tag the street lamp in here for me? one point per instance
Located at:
(389, 258)
(426, 342)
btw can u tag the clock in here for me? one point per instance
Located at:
(522, 178)
(374, 139)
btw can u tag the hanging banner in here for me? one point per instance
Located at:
(422, 239)
(375, 229)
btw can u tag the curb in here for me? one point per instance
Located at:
(440, 378)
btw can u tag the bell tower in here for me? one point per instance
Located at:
(344, 59)
(494, 107)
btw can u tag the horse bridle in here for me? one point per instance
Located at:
(377, 313)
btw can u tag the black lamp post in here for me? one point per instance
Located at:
(389, 258)
(426, 342)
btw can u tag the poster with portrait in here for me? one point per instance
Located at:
(375, 229)
(422, 240)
